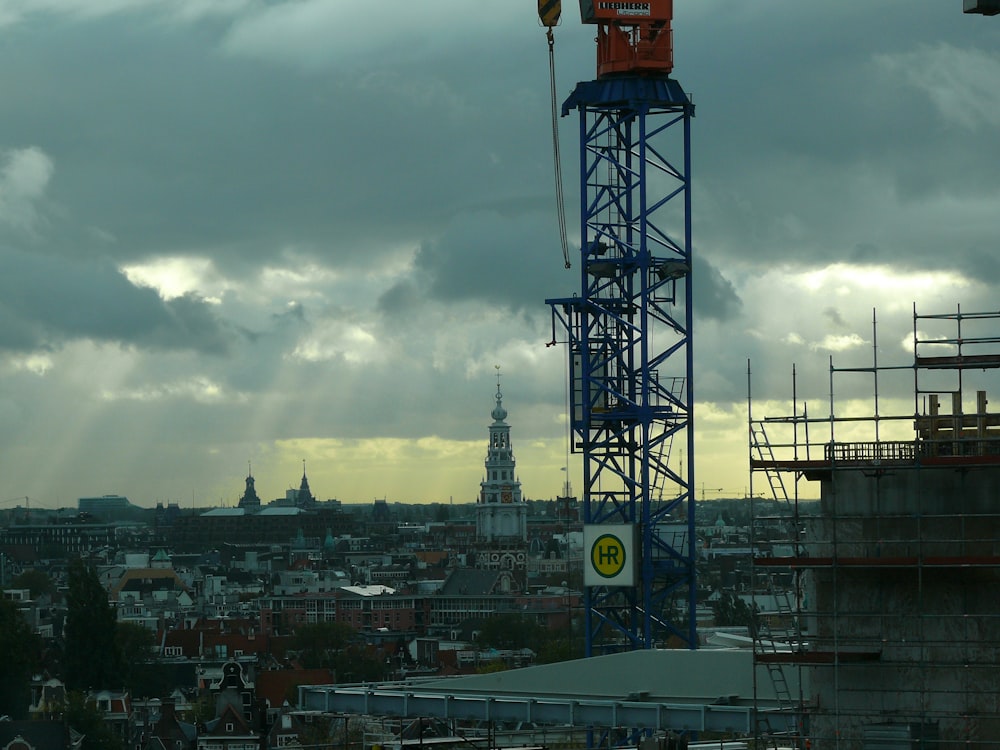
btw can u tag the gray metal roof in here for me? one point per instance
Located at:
(657, 689)
(470, 582)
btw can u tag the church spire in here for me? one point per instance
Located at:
(501, 512)
(249, 500)
(304, 497)
(499, 413)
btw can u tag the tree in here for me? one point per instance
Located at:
(511, 631)
(730, 610)
(319, 643)
(561, 646)
(91, 656)
(20, 647)
(134, 644)
(354, 663)
(35, 581)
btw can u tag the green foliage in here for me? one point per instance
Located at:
(87, 719)
(134, 644)
(561, 646)
(20, 648)
(35, 581)
(91, 657)
(730, 610)
(355, 663)
(319, 643)
(512, 631)
(490, 667)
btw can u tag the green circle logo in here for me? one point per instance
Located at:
(607, 555)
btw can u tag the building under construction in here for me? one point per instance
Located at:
(881, 600)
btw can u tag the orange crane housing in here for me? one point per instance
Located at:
(633, 38)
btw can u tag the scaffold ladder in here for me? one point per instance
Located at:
(766, 638)
(761, 449)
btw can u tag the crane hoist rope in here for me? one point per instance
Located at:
(548, 14)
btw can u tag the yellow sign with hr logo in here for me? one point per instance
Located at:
(610, 559)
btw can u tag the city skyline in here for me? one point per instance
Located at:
(259, 232)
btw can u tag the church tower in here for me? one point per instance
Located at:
(250, 502)
(304, 497)
(501, 513)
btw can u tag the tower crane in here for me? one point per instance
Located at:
(628, 331)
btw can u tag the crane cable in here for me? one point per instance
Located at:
(556, 157)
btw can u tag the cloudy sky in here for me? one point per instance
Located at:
(271, 231)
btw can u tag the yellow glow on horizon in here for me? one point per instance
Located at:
(427, 469)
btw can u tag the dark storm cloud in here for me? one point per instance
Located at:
(715, 297)
(514, 262)
(306, 169)
(402, 298)
(862, 117)
(46, 302)
(207, 153)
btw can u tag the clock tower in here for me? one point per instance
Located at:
(501, 514)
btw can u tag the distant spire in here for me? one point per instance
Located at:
(499, 413)
(304, 498)
(250, 501)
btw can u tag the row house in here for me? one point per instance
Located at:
(58, 539)
(304, 581)
(552, 607)
(394, 576)
(215, 639)
(275, 686)
(467, 594)
(380, 608)
(280, 615)
(230, 731)
(366, 609)
(53, 734)
(236, 713)
(160, 728)
(40, 613)
(116, 707)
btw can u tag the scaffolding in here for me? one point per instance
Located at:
(884, 594)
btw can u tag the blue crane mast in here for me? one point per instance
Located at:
(629, 331)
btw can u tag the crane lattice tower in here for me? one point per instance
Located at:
(629, 328)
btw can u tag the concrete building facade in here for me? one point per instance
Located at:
(891, 581)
